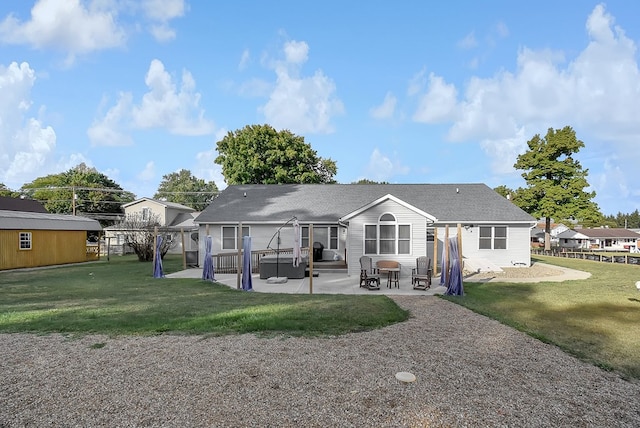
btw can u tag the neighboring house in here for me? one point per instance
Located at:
(384, 221)
(172, 217)
(33, 238)
(537, 233)
(19, 204)
(604, 238)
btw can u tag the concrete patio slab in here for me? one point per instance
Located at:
(324, 283)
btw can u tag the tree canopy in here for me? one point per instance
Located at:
(367, 181)
(5, 191)
(96, 195)
(258, 154)
(556, 180)
(630, 220)
(183, 188)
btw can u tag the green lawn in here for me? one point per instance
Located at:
(597, 319)
(121, 297)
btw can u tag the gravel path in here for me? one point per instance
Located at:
(471, 371)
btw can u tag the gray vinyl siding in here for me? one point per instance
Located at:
(517, 251)
(260, 234)
(403, 216)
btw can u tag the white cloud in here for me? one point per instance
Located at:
(208, 169)
(162, 32)
(382, 168)
(165, 106)
(163, 10)
(504, 152)
(72, 161)
(66, 25)
(598, 92)
(296, 52)
(79, 27)
(244, 59)
(26, 146)
(438, 104)
(107, 131)
(417, 83)
(468, 42)
(386, 109)
(502, 29)
(160, 12)
(301, 104)
(148, 173)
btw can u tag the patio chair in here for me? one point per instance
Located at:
(421, 274)
(368, 279)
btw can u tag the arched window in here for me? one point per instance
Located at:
(387, 236)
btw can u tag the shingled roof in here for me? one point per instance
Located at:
(44, 221)
(601, 233)
(326, 203)
(19, 204)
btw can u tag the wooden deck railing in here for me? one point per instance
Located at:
(227, 262)
(93, 252)
(613, 257)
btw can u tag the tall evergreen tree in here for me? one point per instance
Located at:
(556, 180)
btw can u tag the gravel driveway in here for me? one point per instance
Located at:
(470, 370)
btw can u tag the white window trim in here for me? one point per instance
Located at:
(29, 240)
(327, 245)
(493, 238)
(235, 236)
(397, 236)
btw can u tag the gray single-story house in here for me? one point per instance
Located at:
(603, 238)
(385, 221)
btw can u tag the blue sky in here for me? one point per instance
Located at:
(405, 92)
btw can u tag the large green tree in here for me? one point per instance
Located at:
(81, 190)
(5, 191)
(184, 188)
(258, 154)
(556, 181)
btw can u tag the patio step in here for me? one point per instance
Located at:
(339, 266)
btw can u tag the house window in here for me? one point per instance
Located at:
(493, 238)
(387, 236)
(146, 214)
(25, 240)
(333, 238)
(230, 236)
(326, 235)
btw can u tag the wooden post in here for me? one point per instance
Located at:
(311, 259)
(108, 248)
(239, 261)
(446, 250)
(460, 247)
(435, 251)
